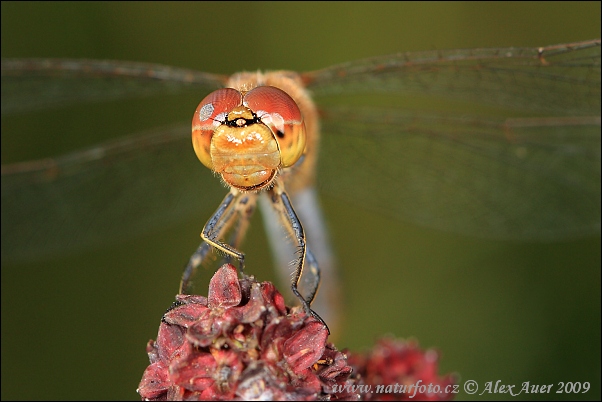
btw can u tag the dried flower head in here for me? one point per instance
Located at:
(242, 342)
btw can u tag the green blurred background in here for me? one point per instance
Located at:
(76, 327)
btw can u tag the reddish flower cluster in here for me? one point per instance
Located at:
(397, 370)
(242, 343)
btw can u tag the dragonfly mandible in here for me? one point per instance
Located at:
(526, 168)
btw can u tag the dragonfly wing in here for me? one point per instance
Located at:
(521, 179)
(564, 79)
(104, 195)
(109, 192)
(526, 169)
(34, 84)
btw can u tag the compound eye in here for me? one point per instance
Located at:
(214, 108)
(210, 114)
(280, 113)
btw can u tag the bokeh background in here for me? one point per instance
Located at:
(75, 326)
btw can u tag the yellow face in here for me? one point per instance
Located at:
(247, 136)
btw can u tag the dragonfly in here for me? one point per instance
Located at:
(511, 151)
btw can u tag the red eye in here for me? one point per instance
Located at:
(209, 114)
(280, 113)
(274, 107)
(217, 105)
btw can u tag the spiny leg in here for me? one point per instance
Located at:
(234, 205)
(224, 210)
(244, 208)
(307, 208)
(194, 262)
(313, 270)
(282, 203)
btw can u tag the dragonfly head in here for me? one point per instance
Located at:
(247, 137)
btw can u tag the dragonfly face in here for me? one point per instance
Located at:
(248, 138)
(529, 170)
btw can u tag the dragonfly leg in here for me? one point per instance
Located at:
(311, 265)
(235, 207)
(193, 263)
(244, 207)
(306, 260)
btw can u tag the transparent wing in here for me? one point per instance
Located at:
(104, 195)
(528, 170)
(520, 179)
(110, 192)
(34, 84)
(564, 79)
